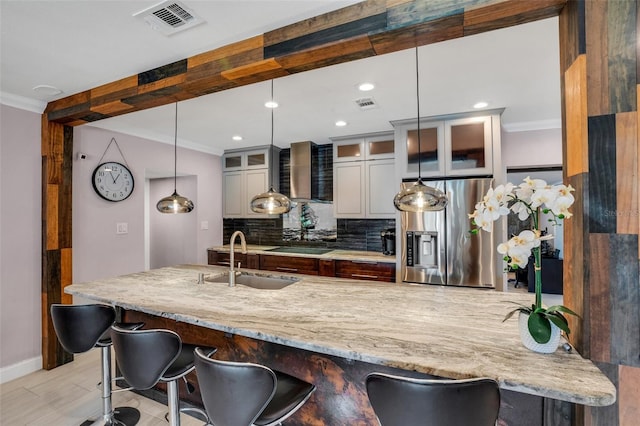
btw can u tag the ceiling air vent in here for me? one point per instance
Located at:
(169, 17)
(366, 103)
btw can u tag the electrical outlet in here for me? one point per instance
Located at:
(122, 228)
(204, 225)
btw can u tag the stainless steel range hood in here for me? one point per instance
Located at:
(308, 175)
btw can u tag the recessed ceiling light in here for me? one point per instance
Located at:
(341, 123)
(271, 104)
(45, 89)
(478, 105)
(365, 87)
(237, 138)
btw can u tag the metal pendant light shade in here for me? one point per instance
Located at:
(175, 203)
(271, 202)
(420, 197)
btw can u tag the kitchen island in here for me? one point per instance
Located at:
(333, 331)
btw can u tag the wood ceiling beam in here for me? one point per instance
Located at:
(362, 30)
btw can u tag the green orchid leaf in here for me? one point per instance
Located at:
(561, 308)
(510, 314)
(539, 327)
(560, 322)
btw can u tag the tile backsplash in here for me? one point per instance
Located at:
(351, 234)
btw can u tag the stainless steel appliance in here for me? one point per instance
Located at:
(388, 242)
(437, 247)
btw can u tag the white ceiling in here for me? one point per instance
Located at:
(77, 45)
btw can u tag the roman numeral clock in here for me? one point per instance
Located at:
(111, 180)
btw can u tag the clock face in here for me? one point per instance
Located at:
(113, 181)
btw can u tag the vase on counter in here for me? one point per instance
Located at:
(529, 342)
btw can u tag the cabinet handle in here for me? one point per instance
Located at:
(282, 268)
(224, 263)
(364, 276)
(367, 262)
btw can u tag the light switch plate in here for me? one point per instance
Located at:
(204, 225)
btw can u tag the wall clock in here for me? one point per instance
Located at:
(113, 181)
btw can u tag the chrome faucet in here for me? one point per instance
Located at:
(243, 246)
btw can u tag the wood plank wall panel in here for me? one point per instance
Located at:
(575, 281)
(602, 173)
(624, 299)
(575, 111)
(599, 302)
(598, 103)
(412, 23)
(629, 378)
(621, 40)
(627, 186)
(57, 156)
(609, 243)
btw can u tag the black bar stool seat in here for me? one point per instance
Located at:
(244, 394)
(406, 401)
(80, 328)
(146, 357)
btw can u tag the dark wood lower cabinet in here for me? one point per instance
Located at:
(291, 264)
(220, 258)
(362, 270)
(352, 269)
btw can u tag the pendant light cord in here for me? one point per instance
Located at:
(418, 103)
(175, 154)
(271, 149)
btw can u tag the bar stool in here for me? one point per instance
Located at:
(244, 394)
(407, 401)
(82, 327)
(146, 357)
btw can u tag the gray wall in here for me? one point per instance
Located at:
(98, 251)
(20, 241)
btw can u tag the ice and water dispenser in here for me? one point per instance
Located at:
(422, 249)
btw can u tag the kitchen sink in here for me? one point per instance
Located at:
(301, 250)
(262, 282)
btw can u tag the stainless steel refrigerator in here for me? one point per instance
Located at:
(437, 248)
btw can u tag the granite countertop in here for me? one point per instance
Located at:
(354, 255)
(448, 332)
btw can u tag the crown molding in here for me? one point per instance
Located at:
(527, 126)
(21, 102)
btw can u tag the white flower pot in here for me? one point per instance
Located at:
(529, 342)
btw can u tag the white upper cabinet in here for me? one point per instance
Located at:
(246, 174)
(364, 176)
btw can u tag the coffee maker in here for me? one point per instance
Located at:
(388, 241)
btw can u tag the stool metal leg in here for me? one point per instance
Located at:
(122, 416)
(173, 402)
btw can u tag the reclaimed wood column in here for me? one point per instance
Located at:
(599, 61)
(57, 155)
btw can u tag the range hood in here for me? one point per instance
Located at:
(311, 177)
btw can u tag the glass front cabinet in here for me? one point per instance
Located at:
(448, 146)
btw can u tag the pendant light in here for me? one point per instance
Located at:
(175, 203)
(271, 202)
(419, 197)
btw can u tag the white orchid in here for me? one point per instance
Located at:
(527, 200)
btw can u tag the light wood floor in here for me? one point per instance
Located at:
(68, 396)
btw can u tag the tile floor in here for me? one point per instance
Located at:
(68, 396)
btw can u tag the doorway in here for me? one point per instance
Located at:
(171, 239)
